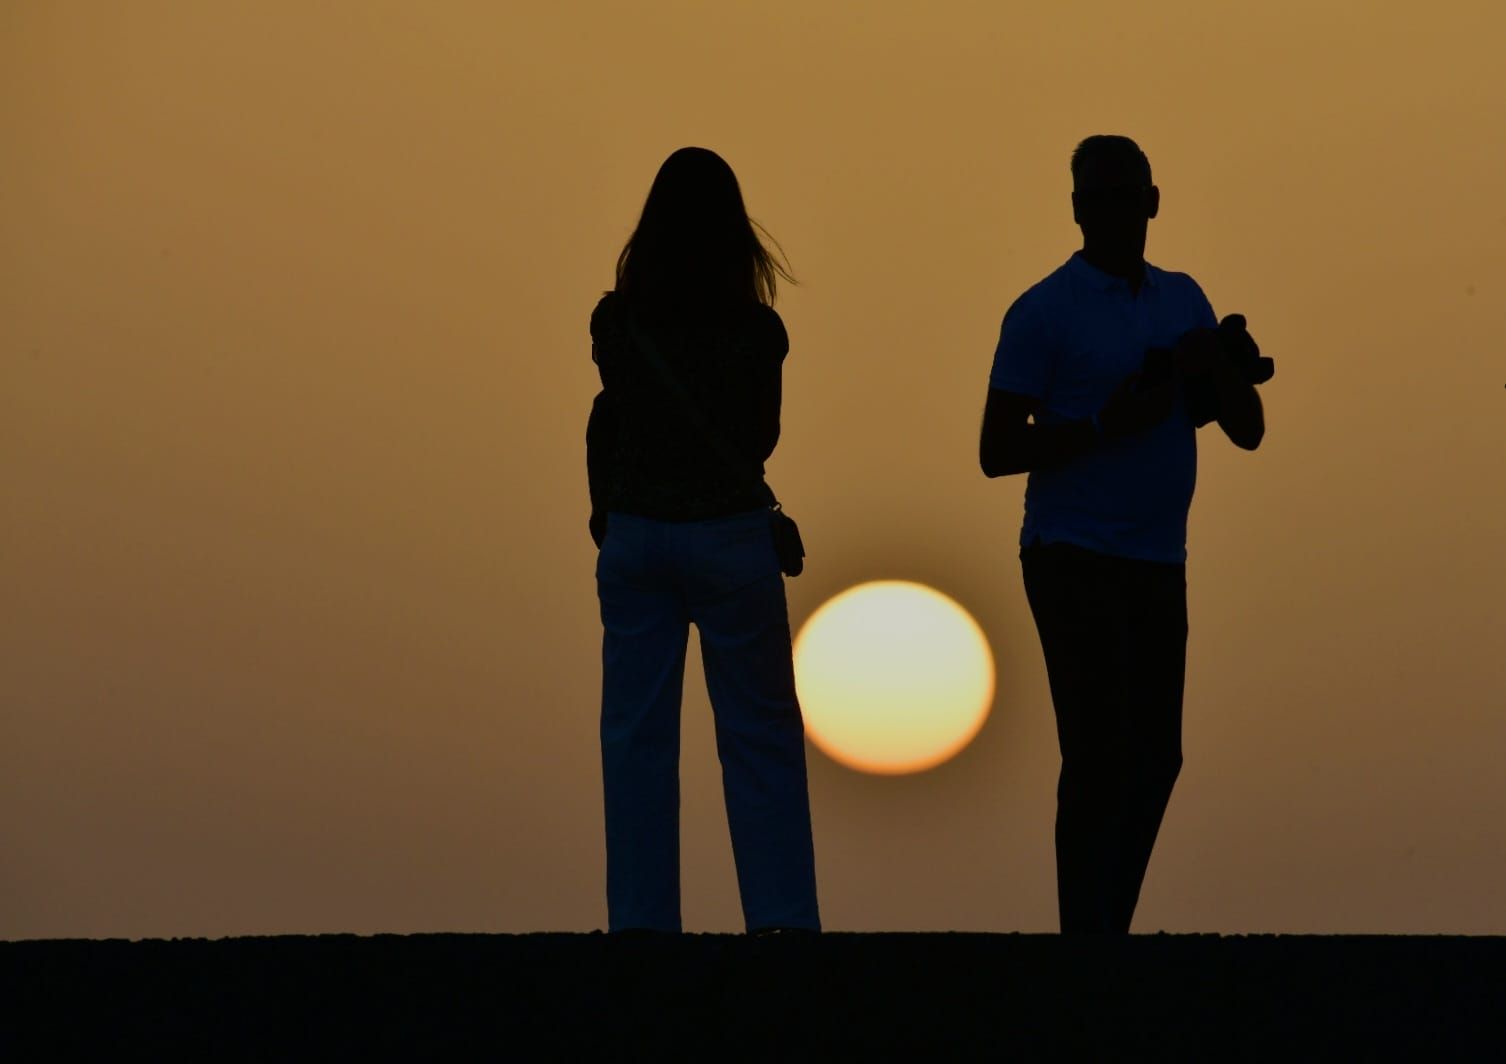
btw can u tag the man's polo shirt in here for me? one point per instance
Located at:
(1069, 341)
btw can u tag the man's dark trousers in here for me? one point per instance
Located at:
(1114, 633)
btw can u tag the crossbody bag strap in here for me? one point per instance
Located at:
(697, 416)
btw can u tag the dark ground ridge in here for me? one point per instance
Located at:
(709, 997)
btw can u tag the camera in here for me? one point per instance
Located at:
(1238, 345)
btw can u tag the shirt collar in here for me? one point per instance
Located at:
(1103, 282)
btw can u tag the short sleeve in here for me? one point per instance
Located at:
(604, 322)
(1022, 361)
(1202, 310)
(773, 341)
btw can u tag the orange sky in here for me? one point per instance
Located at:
(300, 626)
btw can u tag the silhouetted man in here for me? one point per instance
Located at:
(1103, 372)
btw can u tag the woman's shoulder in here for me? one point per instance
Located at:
(757, 325)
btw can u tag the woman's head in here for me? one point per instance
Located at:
(695, 244)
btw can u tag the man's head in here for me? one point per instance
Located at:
(1113, 199)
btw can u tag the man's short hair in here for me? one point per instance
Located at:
(1110, 149)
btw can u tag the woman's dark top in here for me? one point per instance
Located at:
(645, 454)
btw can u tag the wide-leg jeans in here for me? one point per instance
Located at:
(655, 579)
(1114, 633)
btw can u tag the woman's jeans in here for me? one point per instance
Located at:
(655, 578)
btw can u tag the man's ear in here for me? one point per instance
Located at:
(1153, 202)
(1076, 209)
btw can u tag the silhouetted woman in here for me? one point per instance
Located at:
(689, 351)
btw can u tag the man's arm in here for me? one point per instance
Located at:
(1240, 413)
(1010, 443)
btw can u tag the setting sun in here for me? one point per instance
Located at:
(893, 676)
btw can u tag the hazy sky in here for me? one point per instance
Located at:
(299, 625)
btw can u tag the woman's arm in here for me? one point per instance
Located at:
(768, 389)
(601, 436)
(764, 427)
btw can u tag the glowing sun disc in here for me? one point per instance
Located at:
(893, 677)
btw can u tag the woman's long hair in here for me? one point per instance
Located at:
(695, 246)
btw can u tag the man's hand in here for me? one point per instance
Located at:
(1199, 352)
(598, 525)
(1131, 409)
(1243, 352)
(1240, 413)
